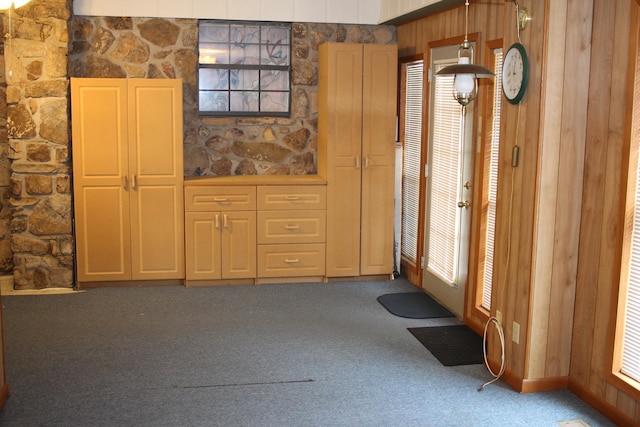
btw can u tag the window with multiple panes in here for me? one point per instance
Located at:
(244, 68)
(490, 183)
(412, 158)
(626, 363)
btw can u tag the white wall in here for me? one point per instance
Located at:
(333, 11)
(390, 9)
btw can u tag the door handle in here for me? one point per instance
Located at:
(135, 182)
(464, 204)
(217, 221)
(357, 162)
(125, 182)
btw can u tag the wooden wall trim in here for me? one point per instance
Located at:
(4, 395)
(601, 405)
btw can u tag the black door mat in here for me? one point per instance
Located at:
(413, 305)
(451, 345)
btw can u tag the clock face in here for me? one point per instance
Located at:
(515, 73)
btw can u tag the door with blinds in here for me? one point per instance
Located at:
(449, 188)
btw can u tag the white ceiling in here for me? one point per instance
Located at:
(331, 11)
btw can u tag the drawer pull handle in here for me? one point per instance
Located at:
(220, 199)
(292, 227)
(292, 198)
(292, 261)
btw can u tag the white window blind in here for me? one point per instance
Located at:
(411, 170)
(492, 190)
(445, 171)
(631, 343)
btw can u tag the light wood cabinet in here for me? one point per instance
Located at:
(220, 233)
(262, 231)
(356, 128)
(128, 176)
(291, 231)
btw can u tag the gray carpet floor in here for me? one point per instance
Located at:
(272, 355)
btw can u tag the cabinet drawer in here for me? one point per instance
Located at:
(291, 227)
(208, 199)
(288, 197)
(291, 260)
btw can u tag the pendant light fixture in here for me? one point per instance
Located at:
(465, 72)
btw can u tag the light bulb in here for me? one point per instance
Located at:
(464, 83)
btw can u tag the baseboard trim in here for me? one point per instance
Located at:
(601, 405)
(129, 283)
(360, 278)
(537, 385)
(533, 385)
(4, 395)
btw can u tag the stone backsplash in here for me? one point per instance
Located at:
(167, 48)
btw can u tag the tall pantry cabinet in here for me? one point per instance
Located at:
(356, 155)
(128, 176)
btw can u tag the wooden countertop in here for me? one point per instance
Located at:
(254, 180)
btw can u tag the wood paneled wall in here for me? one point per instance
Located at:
(560, 210)
(614, 50)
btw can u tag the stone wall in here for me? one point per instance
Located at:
(36, 59)
(6, 254)
(47, 45)
(167, 48)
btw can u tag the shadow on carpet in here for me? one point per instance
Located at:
(451, 345)
(413, 305)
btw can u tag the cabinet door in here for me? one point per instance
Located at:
(379, 84)
(156, 175)
(203, 247)
(341, 129)
(238, 244)
(101, 185)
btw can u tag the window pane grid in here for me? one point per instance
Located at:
(244, 68)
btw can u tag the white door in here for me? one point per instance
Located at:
(449, 189)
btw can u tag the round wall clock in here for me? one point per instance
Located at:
(515, 73)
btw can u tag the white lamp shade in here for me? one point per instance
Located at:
(6, 4)
(464, 83)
